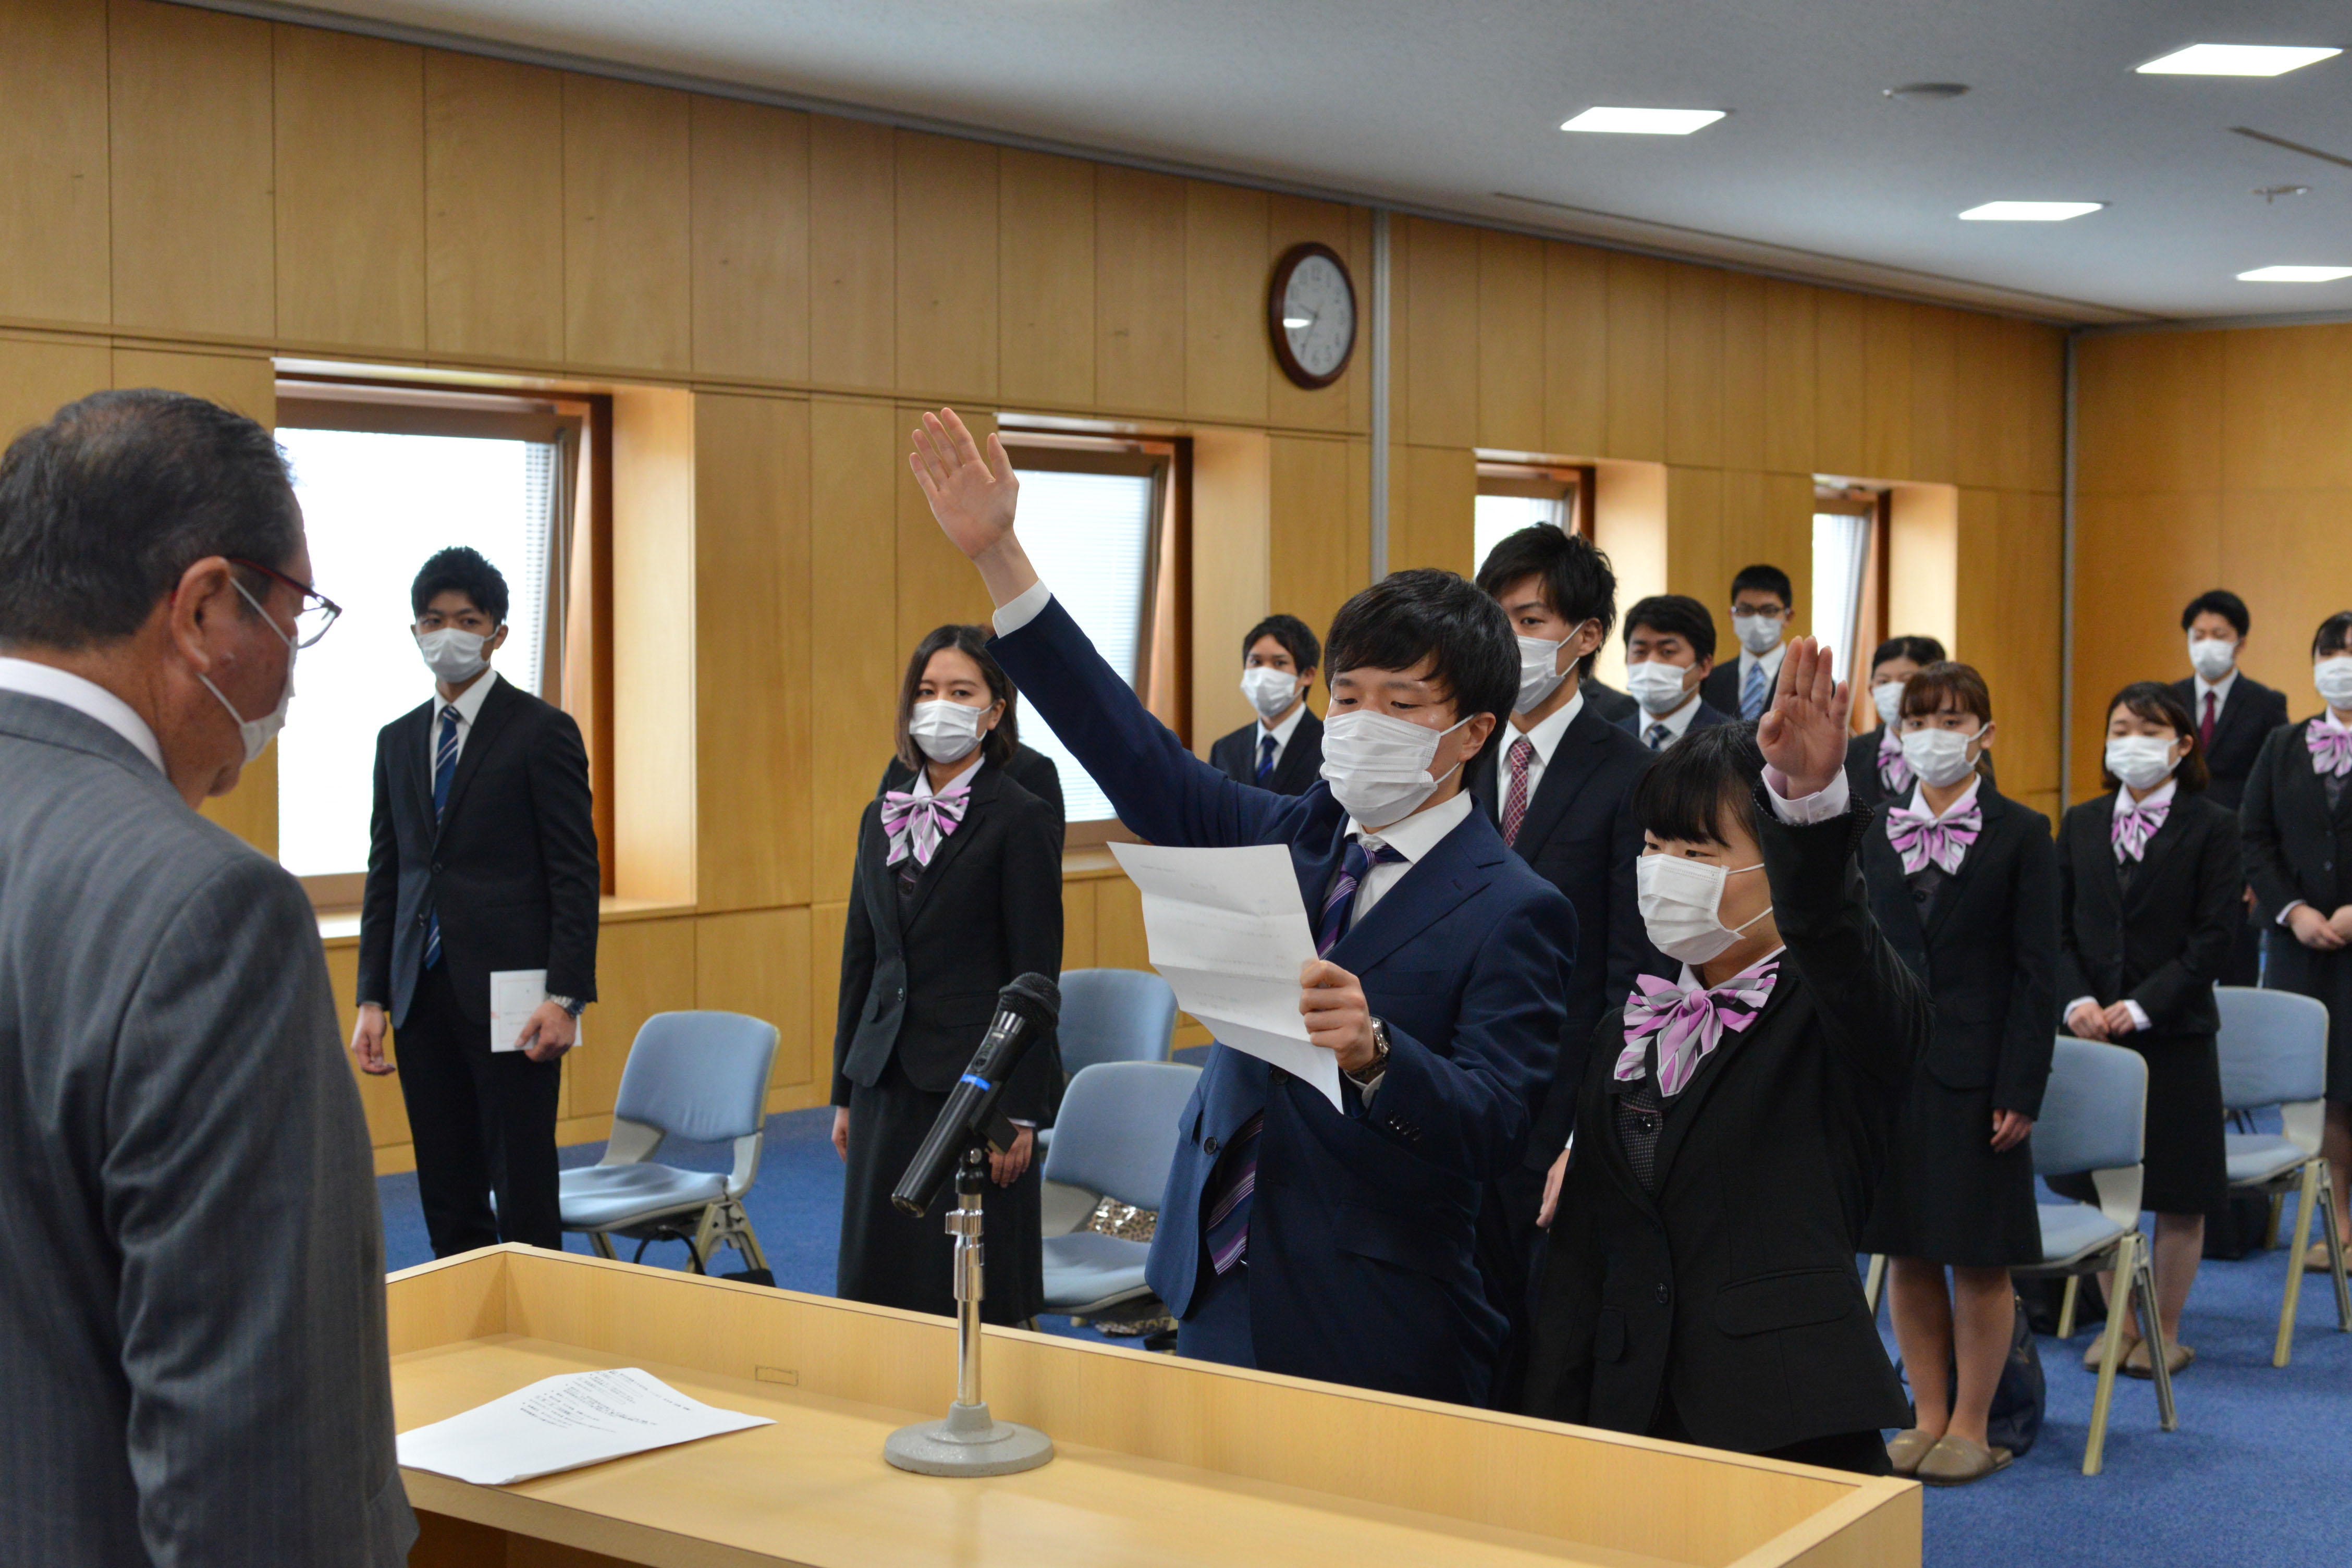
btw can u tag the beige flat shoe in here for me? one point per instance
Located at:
(2139, 1363)
(2099, 1343)
(1907, 1447)
(1955, 1461)
(2315, 1260)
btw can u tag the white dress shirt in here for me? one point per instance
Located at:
(2217, 689)
(1544, 738)
(1968, 798)
(1677, 723)
(2162, 793)
(468, 706)
(1772, 663)
(86, 698)
(1412, 837)
(1281, 733)
(922, 789)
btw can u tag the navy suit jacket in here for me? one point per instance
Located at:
(1706, 718)
(1300, 764)
(1360, 1261)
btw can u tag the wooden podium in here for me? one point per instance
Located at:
(1160, 1461)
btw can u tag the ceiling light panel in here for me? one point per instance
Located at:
(2030, 212)
(2294, 274)
(1644, 122)
(2237, 60)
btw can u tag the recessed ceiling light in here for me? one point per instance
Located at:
(1645, 121)
(2294, 274)
(2236, 59)
(1926, 91)
(2030, 212)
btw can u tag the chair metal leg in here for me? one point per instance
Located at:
(2307, 1196)
(1873, 1280)
(604, 1245)
(2159, 1353)
(2278, 1208)
(2066, 1307)
(2111, 1356)
(2336, 1267)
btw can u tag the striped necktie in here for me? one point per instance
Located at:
(1751, 696)
(1340, 903)
(1659, 736)
(1264, 758)
(444, 768)
(1514, 802)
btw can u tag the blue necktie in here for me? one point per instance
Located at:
(444, 768)
(1340, 904)
(1751, 696)
(1659, 736)
(1264, 758)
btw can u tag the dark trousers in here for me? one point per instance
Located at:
(2244, 964)
(1510, 1261)
(1219, 1327)
(483, 1121)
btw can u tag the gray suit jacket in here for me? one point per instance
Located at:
(192, 1319)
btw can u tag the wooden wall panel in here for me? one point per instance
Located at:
(2282, 550)
(1119, 942)
(1990, 436)
(189, 154)
(350, 139)
(1637, 356)
(946, 312)
(936, 585)
(380, 1097)
(826, 925)
(40, 375)
(2044, 407)
(1841, 384)
(1792, 358)
(1346, 404)
(855, 470)
(750, 246)
(2147, 412)
(759, 964)
(752, 655)
(1695, 305)
(494, 209)
(2019, 535)
(628, 181)
(54, 180)
(1432, 508)
(1139, 291)
(1232, 564)
(1078, 922)
(1320, 544)
(1576, 350)
(1439, 321)
(1046, 279)
(1510, 342)
(2286, 408)
(1887, 395)
(1743, 371)
(2138, 559)
(1932, 393)
(643, 967)
(653, 706)
(1225, 266)
(853, 253)
(1696, 563)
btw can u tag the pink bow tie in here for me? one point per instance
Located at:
(919, 825)
(1688, 1023)
(2331, 749)
(2135, 825)
(1920, 838)
(1893, 772)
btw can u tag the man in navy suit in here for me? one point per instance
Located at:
(2236, 714)
(1669, 649)
(1282, 747)
(1320, 1243)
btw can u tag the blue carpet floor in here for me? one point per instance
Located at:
(2260, 1471)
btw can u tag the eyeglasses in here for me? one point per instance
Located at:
(316, 612)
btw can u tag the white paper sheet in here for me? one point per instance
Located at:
(562, 1423)
(1229, 932)
(515, 995)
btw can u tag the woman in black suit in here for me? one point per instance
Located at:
(1964, 884)
(1733, 1122)
(2149, 881)
(2297, 822)
(958, 890)
(1874, 768)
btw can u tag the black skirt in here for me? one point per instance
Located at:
(2328, 977)
(1947, 1196)
(2186, 1163)
(893, 1261)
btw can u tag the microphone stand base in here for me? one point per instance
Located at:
(970, 1442)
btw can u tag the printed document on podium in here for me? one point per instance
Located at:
(1229, 932)
(562, 1423)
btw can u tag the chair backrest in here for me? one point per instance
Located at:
(1117, 1129)
(2274, 1047)
(699, 1075)
(1114, 1015)
(2093, 1113)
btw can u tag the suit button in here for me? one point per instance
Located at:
(436, 867)
(1209, 1147)
(1663, 1295)
(901, 993)
(1277, 1076)
(422, 917)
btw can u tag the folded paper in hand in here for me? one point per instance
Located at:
(562, 1423)
(1228, 931)
(515, 995)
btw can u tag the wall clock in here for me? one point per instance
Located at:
(1310, 309)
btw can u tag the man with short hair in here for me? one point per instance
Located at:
(1283, 750)
(192, 1315)
(481, 860)
(1761, 598)
(2236, 714)
(1669, 650)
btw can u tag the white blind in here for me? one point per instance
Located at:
(1840, 543)
(1496, 518)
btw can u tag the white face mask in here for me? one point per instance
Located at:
(1679, 900)
(1539, 674)
(2141, 761)
(1887, 698)
(452, 654)
(256, 733)
(1759, 635)
(1271, 691)
(945, 732)
(1378, 766)
(1940, 757)
(2212, 657)
(1656, 685)
(2333, 676)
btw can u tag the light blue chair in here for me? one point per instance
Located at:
(2094, 1122)
(702, 1077)
(2274, 1052)
(1120, 1125)
(1111, 1015)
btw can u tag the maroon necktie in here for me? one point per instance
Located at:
(1514, 802)
(2205, 725)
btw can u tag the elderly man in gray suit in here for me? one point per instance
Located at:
(191, 1324)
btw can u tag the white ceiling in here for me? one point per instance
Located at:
(1453, 107)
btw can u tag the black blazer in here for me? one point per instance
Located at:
(1608, 703)
(2163, 944)
(1706, 718)
(1581, 835)
(1300, 764)
(1985, 950)
(512, 866)
(1033, 771)
(919, 973)
(1862, 780)
(2244, 722)
(2292, 838)
(1733, 1289)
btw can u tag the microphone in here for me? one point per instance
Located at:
(1024, 1010)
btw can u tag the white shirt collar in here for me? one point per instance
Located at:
(2326, 719)
(1771, 661)
(1419, 834)
(85, 697)
(1968, 798)
(1676, 723)
(469, 701)
(2160, 795)
(1545, 737)
(923, 775)
(1287, 727)
(2220, 688)
(1691, 982)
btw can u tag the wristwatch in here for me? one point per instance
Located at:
(571, 1004)
(1380, 1062)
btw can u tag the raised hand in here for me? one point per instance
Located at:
(1802, 733)
(974, 497)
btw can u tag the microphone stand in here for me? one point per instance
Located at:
(970, 1442)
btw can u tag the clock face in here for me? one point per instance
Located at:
(1314, 316)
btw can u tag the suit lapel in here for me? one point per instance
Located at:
(415, 757)
(498, 706)
(1958, 883)
(985, 789)
(2152, 859)
(1301, 760)
(1564, 777)
(1904, 922)
(1429, 890)
(1693, 1099)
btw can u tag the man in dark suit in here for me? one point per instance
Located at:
(1669, 649)
(1761, 598)
(481, 860)
(1559, 786)
(1611, 704)
(1283, 751)
(1322, 1243)
(2236, 714)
